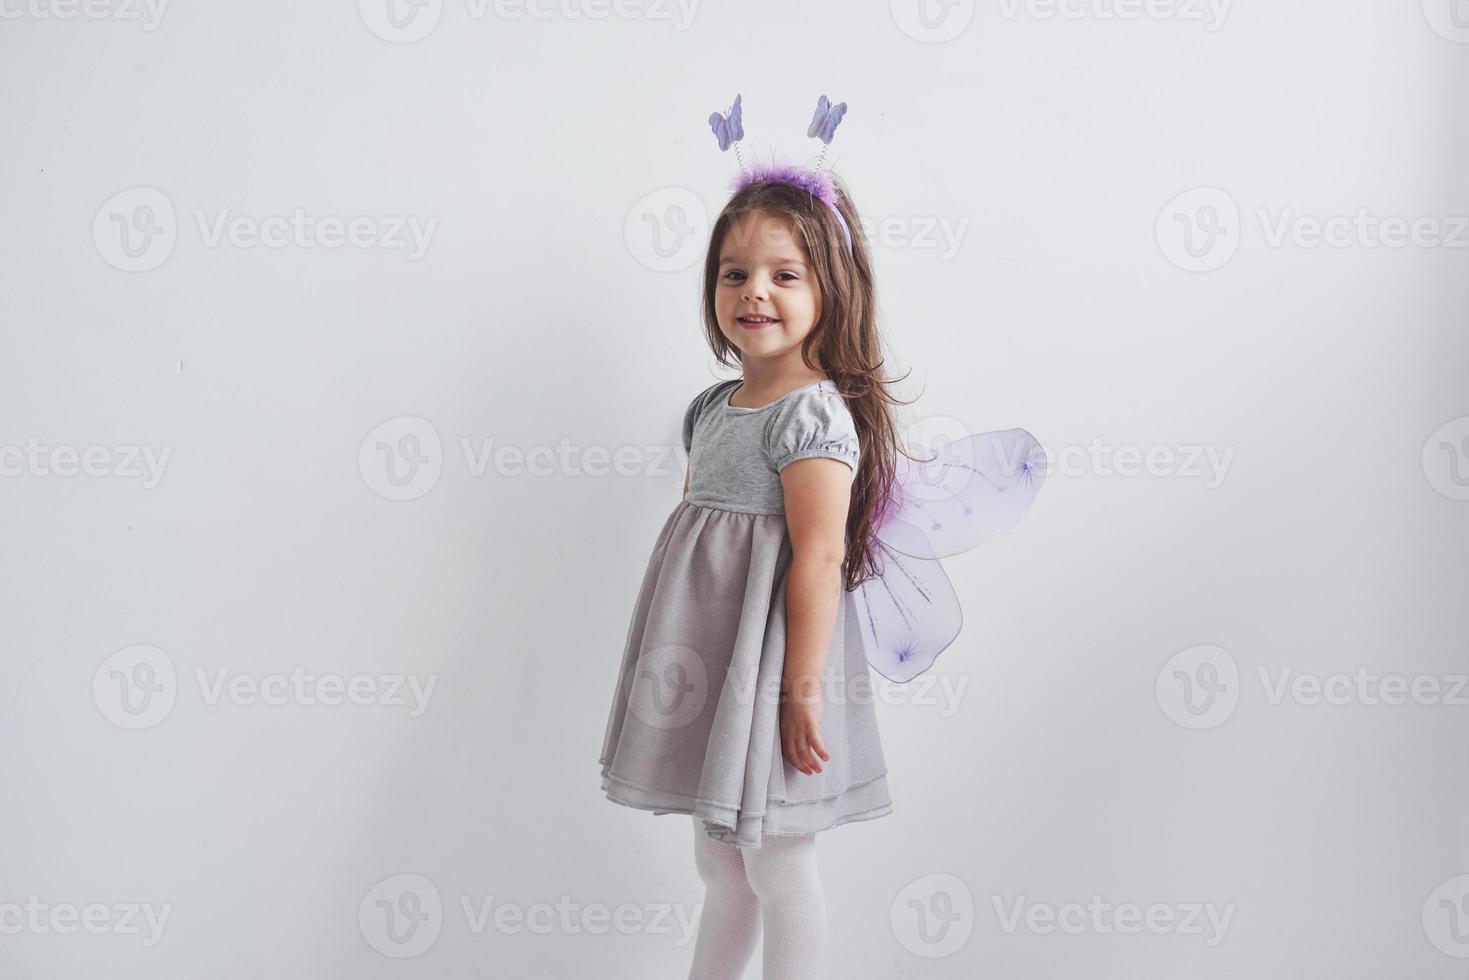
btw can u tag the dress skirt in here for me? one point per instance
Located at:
(694, 725)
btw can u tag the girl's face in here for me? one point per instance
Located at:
(767, 299)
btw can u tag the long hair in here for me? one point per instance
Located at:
(844, 343)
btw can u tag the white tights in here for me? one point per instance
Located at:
(777, 885)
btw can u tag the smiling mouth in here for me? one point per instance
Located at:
(755, 322)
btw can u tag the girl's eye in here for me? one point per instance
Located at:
(792, 275)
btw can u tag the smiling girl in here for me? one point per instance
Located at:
(744, 697)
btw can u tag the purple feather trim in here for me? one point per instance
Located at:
(817, 183)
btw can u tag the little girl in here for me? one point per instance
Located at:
(744, 697)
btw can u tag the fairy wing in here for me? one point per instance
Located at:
(972, 490)
(907, 615)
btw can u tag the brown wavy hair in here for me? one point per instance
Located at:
(844, 343)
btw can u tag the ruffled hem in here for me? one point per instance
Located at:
(866, 800)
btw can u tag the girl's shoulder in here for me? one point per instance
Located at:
(812, 421)
(702, 402)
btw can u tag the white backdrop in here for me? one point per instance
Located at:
(303, 678)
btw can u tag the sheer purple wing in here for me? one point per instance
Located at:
(907, 615)
(972, 490)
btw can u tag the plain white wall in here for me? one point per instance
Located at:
(1113, 283)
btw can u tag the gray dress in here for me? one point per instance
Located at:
(694, 725)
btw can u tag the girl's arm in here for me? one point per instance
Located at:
(817, 494)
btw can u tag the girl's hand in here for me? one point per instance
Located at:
(800, 734)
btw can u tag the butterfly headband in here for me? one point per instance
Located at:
(729, 129)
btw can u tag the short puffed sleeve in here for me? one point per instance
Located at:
(692, 413)
(814, 423)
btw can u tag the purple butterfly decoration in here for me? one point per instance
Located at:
(728, 128)
(975, 490)
(824, 122)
